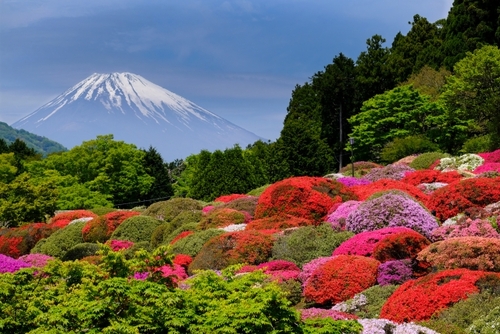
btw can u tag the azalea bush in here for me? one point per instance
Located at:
(394, 272)
(431, 176)
(368, 303)
(338, 217)
(315, 312)
(246, 204)
(193, 243)
(100, 229)
(488, 167)
(360, 168)
(136, 229)
(60, 241)
(391, 209)
(279, 223)
(303, 197)
(366, 191)
(475, 253)
(168, 210)
(383, 326)
(10, 265)
(62, 219)
(466, 162)
(400, 245)
(425, 160)
(393, 172)
(221, 217)
(340, 279)
(461, 195)
(465, 228)
(36, 260)
(350, 181)
(229, 198)
(310, 267)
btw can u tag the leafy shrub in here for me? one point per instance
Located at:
(168, 238)
(403, 147)
(62, 241)
(100, 229)
(459, 196)
(229, 198)
(13, 243)
(425, 160)
(278, 222)
(247, 204)
(391, 209)
(328, 325)
(419, 299)
(373, 300)
(340, 279)
(192, 244)
(487, 324)
(79, 251)
(221, 217)
(431, 176)
(399, 246)
(394, 272)
(307, 243)
(137, 246)
(475, 253)
(476, 145)
(250, 247)
(136, 229)
(338, 217)
(158, 235)
(360, 168)
(393, 172)
(465, 228)
(303, 197)
(366, 191)
(64, 218)
(292, 289)
(168, 210)
(258, 191)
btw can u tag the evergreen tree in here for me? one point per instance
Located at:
(156, 167)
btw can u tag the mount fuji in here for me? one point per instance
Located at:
(136, 111)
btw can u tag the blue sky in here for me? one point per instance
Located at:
(239, 59)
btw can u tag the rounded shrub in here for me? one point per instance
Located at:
(278, 223)
(340, 279)
(303, 197)
(392, 172)
(465, 228)
(189, 227)
(431, 176)
(251, 247)
(360, 168)
(475, 253)
(79, 251)
(419, 299)
(403, 147)
(369, 302)
(192, 244)
(466, 162)
(461, 195)
(399, 246)
(338, 217)
(101, 211)
(136, 229)
(62, 241)
(425, 160)
(247, 204)
(11, 265)
(100, 229)
(307, 243)
(229, 198)
(157, 237)
(184, 218)
(130, 251)
(394, 272)
(366, 191)
(391, 209)
(63, 218)
(168, 210)
(476, 144)
(222, 217)
(258, 191)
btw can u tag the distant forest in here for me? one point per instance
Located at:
(41, 145)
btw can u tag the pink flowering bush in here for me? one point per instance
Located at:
(350, 181)
(117, 245)
(394, 172)
(10, 265)
(392, 209)
(314, 312)
(207, 209)
(338, 217)
(394, 272)
(488, 167)
(491, 157)
(384, 326)
(175, 272)
(310, 267)
(465, 228)
(36, 260)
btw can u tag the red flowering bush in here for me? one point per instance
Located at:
(366, 191)
(430, 176)
(278, 222)
(303, 197)
(12, 245)
(419, 299)
(340, 279)
(182, 260)
(64, 218)
(180, 236)
(100, 229)
(229, 198)
(252, 247)
(458, 196)
(399, 246)
(475, 253)
(222, 217)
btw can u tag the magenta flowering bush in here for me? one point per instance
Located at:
(141, 276)
(36, 260)
(10, 265)
(314, 312)
(394, 172)
(491, 156)
(176, 272)
(310, 267)
(391, 209)
(207, 209)
(364, 243)
(350, 181)
(117, 245)
(488, 167)
(338, 217)
(465, 228)
(394, 272)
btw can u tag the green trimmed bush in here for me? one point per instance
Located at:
(307, 243)
(425, 160)
(136, 229)
(80, 251)
(168, 210)
(403, 147)
(192, 244)
(222, 217)
(62, 240)
(258, 191)
(102, 210)
(167, 238)
(183, 218)
(157, 235)
(130, 252)
(476, 145)
(376, 296)
(38, 247)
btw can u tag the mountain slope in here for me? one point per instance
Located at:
(40, 144)
(136, 111)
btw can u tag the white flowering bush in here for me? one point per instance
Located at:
(383, 326)
(351, 305)
(233, 227)
(465, 162)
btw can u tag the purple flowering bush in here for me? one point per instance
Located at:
(394, 172)
(394, 272)
(338, 217)
(350, 181)
(314, 312)
(10, 265)
(36, 260)
(391, 209)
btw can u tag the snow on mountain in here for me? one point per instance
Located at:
(136, 111)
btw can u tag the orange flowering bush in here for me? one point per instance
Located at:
(100, 229)
(340, 278)
(458, 196)
(430, 176)
(475, 253)
(278, 222)
(367, 190)
(64, 218)
(304, 197)
(229, 198)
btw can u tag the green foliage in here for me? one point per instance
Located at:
(168, 210)
(61, 241)
(167, 238)
(129, 253)
(425, 160)
(403, 147)
(330, 326)
(8, 169)
(293, 291)
(155, 166)
(376, 297)
(183, 218)
(80, 251)
(192, 244)
(429, 81)
(101, 211)
(477, 145)
(136, 229)
(307, 243)
(258, 191)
